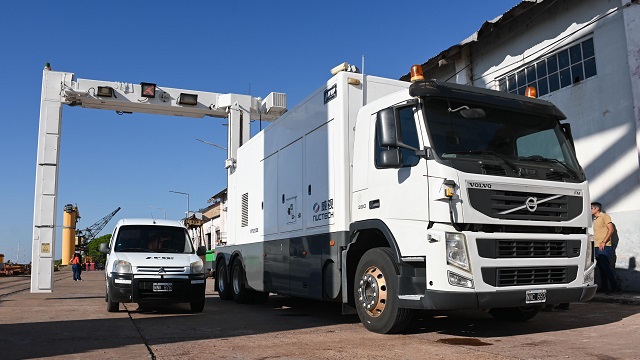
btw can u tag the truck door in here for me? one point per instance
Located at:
(399, 197)
(290, 187)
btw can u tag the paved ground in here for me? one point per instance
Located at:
(72, 323)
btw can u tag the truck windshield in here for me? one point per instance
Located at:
(153, 238)
(459, 131)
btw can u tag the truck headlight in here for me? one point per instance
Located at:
(457, 250)
(122, 267)
(459, 280)
(589, 255)
(197, 267)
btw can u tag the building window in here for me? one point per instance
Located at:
(555, 72)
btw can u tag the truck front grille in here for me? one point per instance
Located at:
(502, 277)
(508, 248)
(512, 205)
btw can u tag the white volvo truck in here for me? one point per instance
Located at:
(391, 196)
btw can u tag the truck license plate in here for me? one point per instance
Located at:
(536, 296)
(162, 287)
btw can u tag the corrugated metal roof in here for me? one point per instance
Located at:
(486, 28)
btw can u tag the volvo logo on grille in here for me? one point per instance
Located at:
(161, 271)
(479, 185)
(531, 204)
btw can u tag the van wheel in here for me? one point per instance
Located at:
(241, 294)
(516, 314)
(112, 306)
(375, 291)
(224, 287)
(197, 306)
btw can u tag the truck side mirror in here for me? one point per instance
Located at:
(201, 251)
(104, 248)
(389, 131)
(390, 159)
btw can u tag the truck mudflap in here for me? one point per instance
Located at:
(447, 300)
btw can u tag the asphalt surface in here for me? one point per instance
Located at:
(72, 323)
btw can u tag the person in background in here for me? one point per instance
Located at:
(76, 267)
(602, 232)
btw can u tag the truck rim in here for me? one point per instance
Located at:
(236, 279)
(221, 276)
(373, 291)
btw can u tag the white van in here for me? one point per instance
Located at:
(153, 261)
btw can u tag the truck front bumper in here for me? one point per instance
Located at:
(447, 300)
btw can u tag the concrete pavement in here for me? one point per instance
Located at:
(72, 323)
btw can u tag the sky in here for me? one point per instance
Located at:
(134, 161)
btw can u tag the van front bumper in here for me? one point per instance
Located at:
(127, 288)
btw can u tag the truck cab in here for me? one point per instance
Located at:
(153, 261)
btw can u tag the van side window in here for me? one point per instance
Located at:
(409, 137)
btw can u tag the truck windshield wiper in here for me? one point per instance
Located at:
(572, 172)
(488, 152)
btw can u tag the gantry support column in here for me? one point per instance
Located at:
(45, 199)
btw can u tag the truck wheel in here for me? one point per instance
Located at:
(224, 287)
(517, 314)
(260, 297)
(241, 294)
(375, 287)
(112, 306)
(197, 306)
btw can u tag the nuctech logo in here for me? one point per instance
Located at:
(316, 207)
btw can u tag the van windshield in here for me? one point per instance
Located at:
(153, 238)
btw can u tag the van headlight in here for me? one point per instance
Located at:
(457, 250)
(197, 267)
(122, 267)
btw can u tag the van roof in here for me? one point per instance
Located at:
(141, 221)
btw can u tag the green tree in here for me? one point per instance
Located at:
(93, 249)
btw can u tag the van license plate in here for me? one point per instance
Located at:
(162, 287)
(536, 296)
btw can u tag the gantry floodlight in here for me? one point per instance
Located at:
(148, 90)
(105, 91)
(188, 99)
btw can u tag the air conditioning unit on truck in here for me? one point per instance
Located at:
(391, 196)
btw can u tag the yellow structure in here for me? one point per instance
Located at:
(1, 258)
(71, 216)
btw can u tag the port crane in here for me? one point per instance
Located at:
(85, 236)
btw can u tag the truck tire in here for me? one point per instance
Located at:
(112, 306)
(259, 297)
(197, 306)
(241, 294)
(375, 292)
(516, 314)
(224, 286)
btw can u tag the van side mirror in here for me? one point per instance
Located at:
(201, 251)
(389, 131)
(104, 248)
